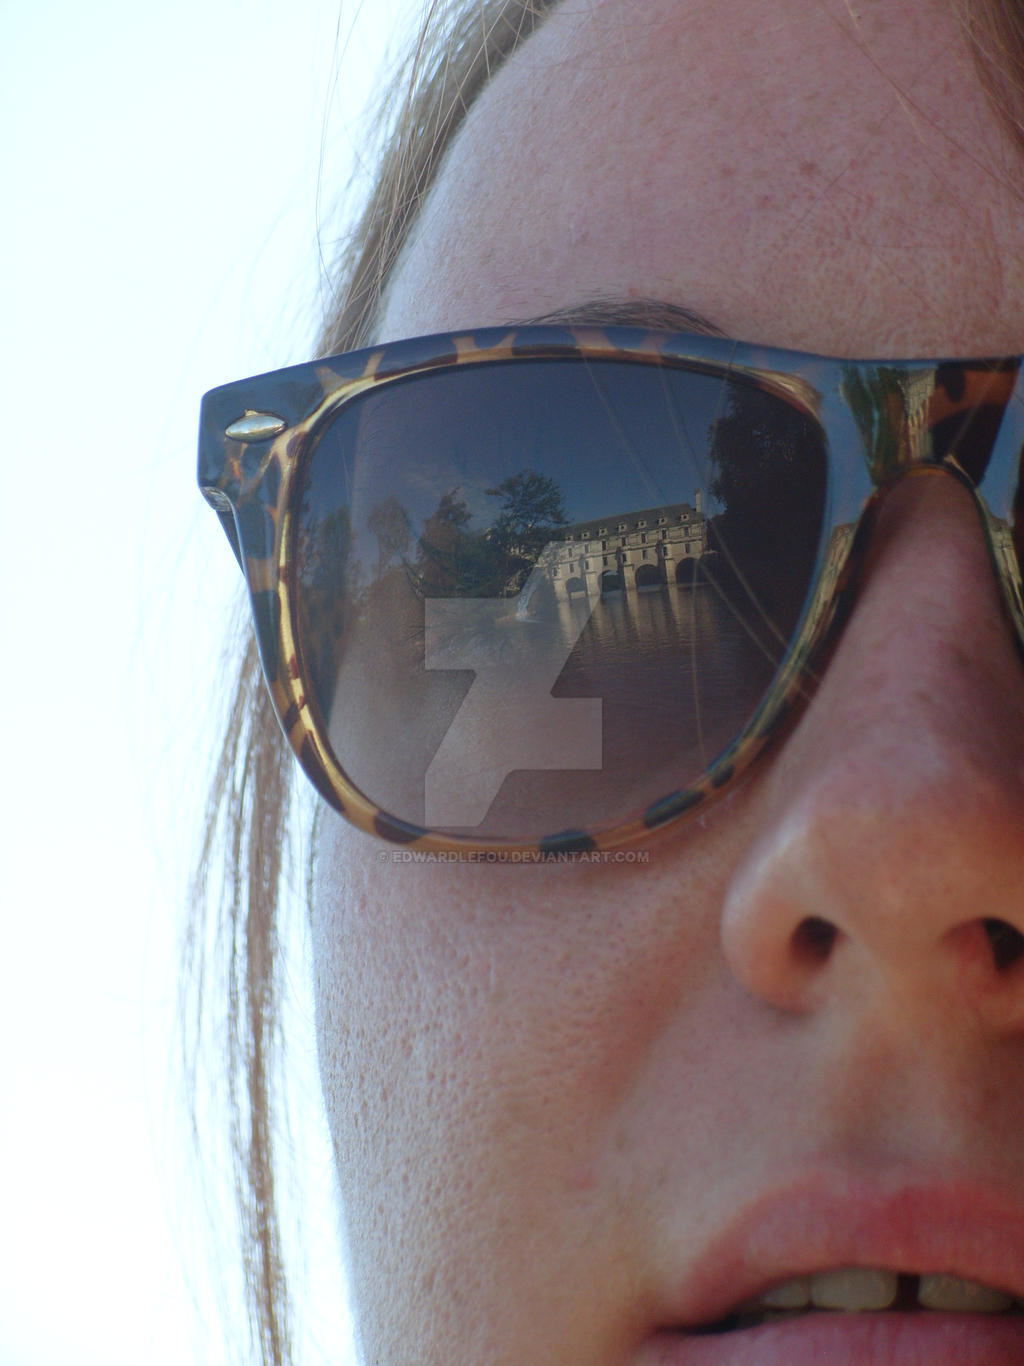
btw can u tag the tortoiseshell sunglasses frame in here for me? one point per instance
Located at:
(881, 420)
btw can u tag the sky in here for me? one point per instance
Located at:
(171, 177)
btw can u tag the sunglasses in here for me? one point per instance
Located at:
(550, 588)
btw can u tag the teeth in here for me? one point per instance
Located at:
(795, 1294)
(870, 1288)
(957, 1296)
(854, 1288)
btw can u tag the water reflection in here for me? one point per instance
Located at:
(676, 667)
(677, 672)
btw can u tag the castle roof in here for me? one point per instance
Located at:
(609, 525)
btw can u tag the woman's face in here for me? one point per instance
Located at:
(579, 1108)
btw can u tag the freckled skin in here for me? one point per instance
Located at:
(548, 1087)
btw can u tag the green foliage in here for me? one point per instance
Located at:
(452, 560)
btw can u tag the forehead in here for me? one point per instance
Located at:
(832, 179)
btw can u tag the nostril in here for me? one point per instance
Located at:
(814, 939)
(1006, 942)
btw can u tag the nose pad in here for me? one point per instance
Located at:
(889, 863)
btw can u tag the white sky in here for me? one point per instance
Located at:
(159, 224)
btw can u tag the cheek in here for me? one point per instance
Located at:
(485, 1033)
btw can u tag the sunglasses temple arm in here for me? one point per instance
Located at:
(223, 508)
(227, 521)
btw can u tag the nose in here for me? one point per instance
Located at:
(889, 865)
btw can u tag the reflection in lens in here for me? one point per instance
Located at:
(639, 537)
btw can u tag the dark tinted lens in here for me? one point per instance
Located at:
(543, 595)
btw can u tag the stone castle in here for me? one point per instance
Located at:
(627, 551)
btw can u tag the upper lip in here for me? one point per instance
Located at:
(828, 1220)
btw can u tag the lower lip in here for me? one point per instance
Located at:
(923, 1339)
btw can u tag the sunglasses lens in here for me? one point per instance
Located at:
(540, 596)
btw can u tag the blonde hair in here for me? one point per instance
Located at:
(232, 948)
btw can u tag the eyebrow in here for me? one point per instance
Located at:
(654, 314)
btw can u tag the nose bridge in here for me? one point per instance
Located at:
(895, 829)
(1001, 531)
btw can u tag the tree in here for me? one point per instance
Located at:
(531, 514)
(389, 522)
(445, 547)
(329, 575)
(770, 481)
(453, 561)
